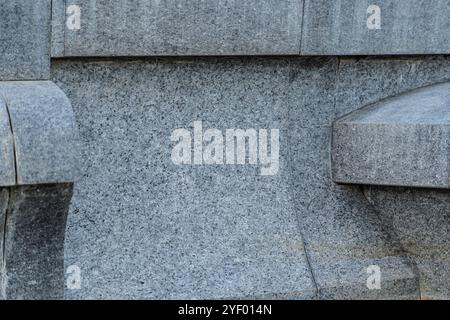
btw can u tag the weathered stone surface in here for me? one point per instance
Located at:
(402, 141)
(25, 39)
(343, 234)
(419, 229)
(185, 231)
(181, 27)
(217, 231)
(407, 27)
(7, 170)
(58, 27)
(4, 197)
(37, 125)
(420, 218)
(34, 241)
(44, 131)
(368, 80)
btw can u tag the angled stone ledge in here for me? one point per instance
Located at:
(177, 27)
(25, 39)
(367, 27)
(401, 141)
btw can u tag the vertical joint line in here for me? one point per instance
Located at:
(302, 26)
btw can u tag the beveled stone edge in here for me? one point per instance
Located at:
(20, 180)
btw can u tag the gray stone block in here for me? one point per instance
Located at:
(58, 27)
(312, 84)
(33, 257)
(7, 169)
(39, 146)
(4, 197)
(348, 279)
(181, 27)
(407, 27)
(420, 218)
(45, 136)
(185, 231)
(25, 39)
(400, 141)
(217, 231)
(368, 80)
(416, 216)
(342, 231)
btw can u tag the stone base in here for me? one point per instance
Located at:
(33, 224)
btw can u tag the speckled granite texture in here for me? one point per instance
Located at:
(180, 27)
(251, 27)
(34, 232)
(420, 218)
(356, 27)
(142, 227)
(151, 229)
(45, 138)
(400, 141)
(25, 39)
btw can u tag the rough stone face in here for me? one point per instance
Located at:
(185, 231)
(7, 169)
(182, 27)
(365, 81)
(25, 39)
(420, 218)
(58, 27)
(340, 27)
(34, 241)
(44, 131)
(38, 146)
(342, 231)
(422, 230)
(401, 141)
(4, 197)
(217, 231)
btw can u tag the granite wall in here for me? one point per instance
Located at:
(149, 80)
(141, 226)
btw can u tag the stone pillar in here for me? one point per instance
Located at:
(38, 153)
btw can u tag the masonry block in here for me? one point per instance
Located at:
(367, 27)
(25, 39)
(39, 144)
(217, 231)
(178, 27)
(44, 132)
(401, 141)
(34, 232)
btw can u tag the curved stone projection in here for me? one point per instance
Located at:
(39, 144)
(400, 141)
